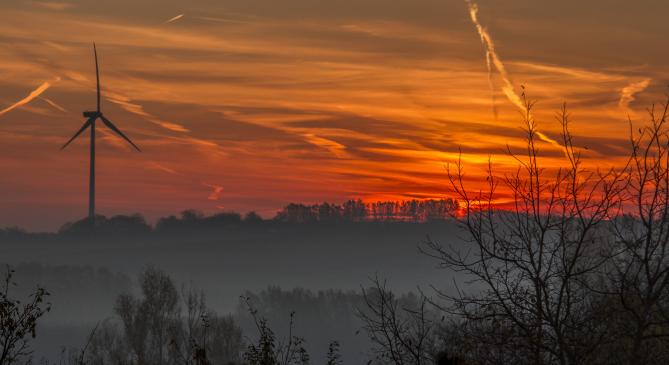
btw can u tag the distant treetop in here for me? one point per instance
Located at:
(359, 211)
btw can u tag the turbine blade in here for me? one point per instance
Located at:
(111, 126)
(81, 130)
(97, 73)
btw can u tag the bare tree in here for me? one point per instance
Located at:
(147, 321)
(268, 350)
(203, 337)
(18, 321)
(402, 332)
(536, 260)
(639, 274)
(165, 327)
(333, 357)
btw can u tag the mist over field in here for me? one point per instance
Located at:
(310, 264)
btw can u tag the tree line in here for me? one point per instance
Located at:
(351, 211)
(381, 211)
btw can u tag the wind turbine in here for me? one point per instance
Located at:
(90, 123)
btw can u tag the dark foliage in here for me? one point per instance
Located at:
(164, 326)
(18, 320)
(358, 211)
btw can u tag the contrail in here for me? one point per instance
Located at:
(491, 84)
(157, 166)
(627, 93)
(174, 19)
(34, 94)
(207, 18)
(53, 104)
(126, 103)
(491, 55)
(221, 20)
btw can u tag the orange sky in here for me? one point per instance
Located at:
(242, 105)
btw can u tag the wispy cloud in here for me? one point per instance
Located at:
(333, 147)
(113, 139)
(627, 94)
(205, 18)
(216, 191)
(579, 73)
(160, 167)
(174, 19)
(333, 97)
(32, 96)
(221, 20)
(53, 104)
(128, 105)
(55, 5)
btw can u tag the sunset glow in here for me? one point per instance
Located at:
(252, 105)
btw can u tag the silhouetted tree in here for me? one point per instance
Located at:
(639, 273)
(402, 332)
(355, 210)
(13, 233)
(124, 225)
(165, 326)
(358, 211)
(270, 351)
(334, 310)
(333, 356)
(202, 337)
(147, 321)
(116, 226)
(252, 218)
(18, 321)
(536, 263)
(297, 213)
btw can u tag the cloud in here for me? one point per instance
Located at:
(387, 95)
(221, 20)
(58, 6)
(138, 109)
(113, 139)
(333, 147)
(216, 192)
(32, 96)
(628, 92)
(549, 140)
(491, 84)
(160, 167)
(206, 18)
(174, 19)
(491, 55)
(53, 104)
(570, 71)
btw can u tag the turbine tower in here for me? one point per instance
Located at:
(90, 123)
